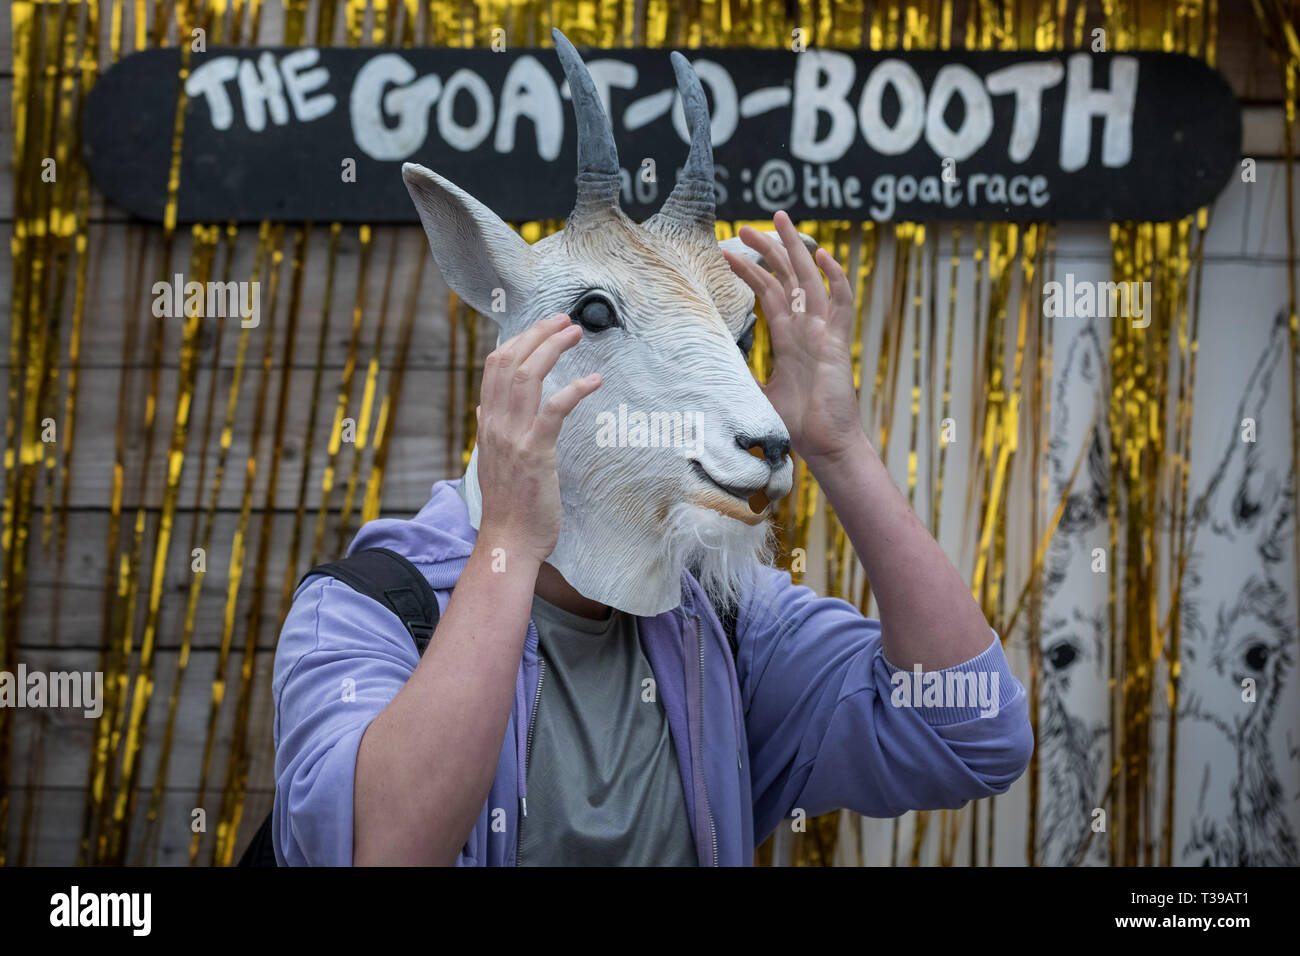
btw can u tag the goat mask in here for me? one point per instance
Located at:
(676, 460)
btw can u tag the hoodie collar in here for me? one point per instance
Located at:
(440, 539)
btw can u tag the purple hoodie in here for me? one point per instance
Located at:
(809, 716)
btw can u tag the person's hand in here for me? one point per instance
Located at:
(516, 438)
(811, 386)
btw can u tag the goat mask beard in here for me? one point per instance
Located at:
(617, 548)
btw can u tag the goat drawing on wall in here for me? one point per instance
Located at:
(1239, 621)
(1239, 800)
(1072, 730)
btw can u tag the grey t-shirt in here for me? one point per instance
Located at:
(604, 787)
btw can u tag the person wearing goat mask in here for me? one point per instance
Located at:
(618, 676)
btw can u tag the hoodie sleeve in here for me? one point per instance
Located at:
(833, 724)
(340, 659)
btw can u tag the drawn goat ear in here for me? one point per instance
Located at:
(738, 248)
(1248, 486)
(1079, 416)
(484, 261)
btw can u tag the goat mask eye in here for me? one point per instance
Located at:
(595, 314)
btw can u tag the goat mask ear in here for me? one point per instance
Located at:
(738, 248)
(477, 253)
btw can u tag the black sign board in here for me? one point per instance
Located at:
(320, 134)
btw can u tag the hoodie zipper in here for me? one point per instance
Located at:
(528, 749)
(699, 743)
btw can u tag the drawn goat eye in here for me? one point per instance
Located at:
(595, 314)
(1078, 515)
(746, 341)
(1256, 656)
(1062, 654)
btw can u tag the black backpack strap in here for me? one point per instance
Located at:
(260, 852)
(387, 577)
(384, 576)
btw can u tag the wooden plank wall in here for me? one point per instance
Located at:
(63, 606)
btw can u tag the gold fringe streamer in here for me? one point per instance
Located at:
(58, 48)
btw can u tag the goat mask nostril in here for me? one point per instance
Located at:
(770, 448)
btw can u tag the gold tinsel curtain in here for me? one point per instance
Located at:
(183, 452)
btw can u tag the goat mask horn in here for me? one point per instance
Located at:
(598, 171)
(690, 205)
